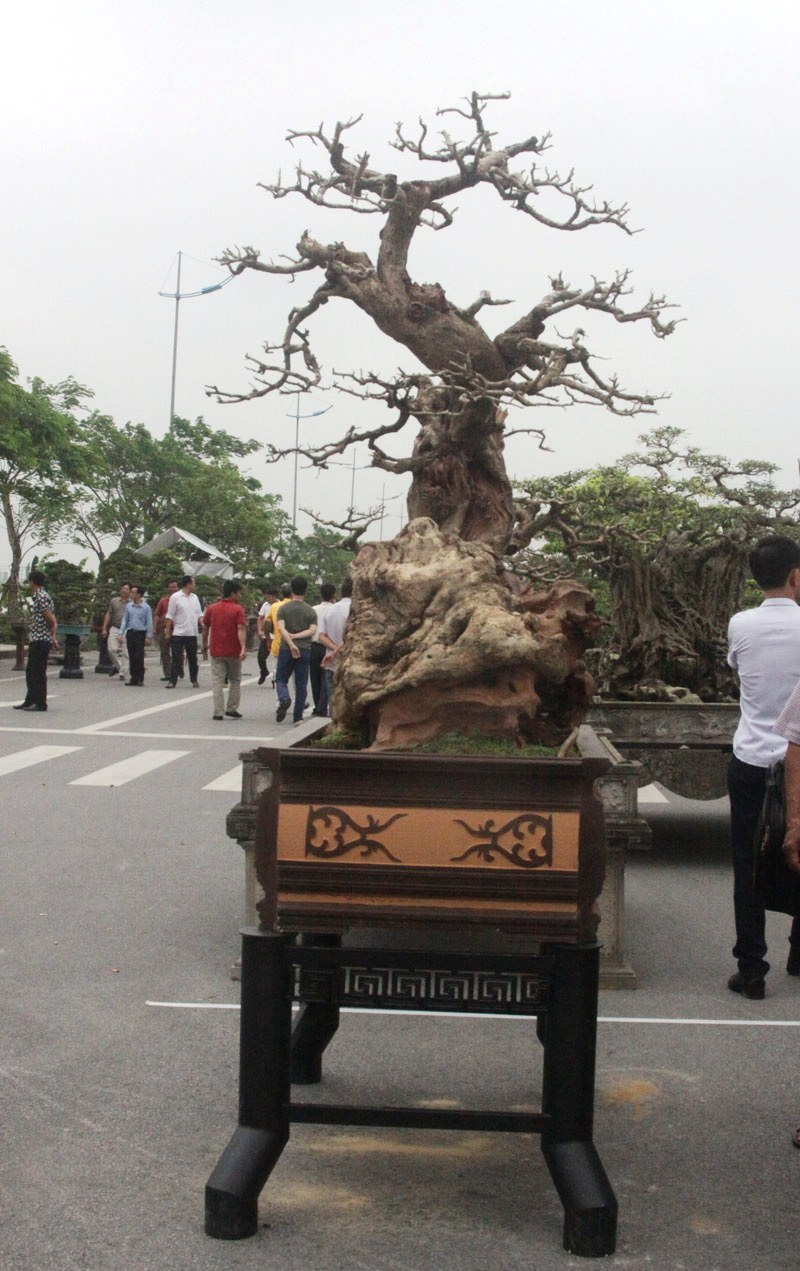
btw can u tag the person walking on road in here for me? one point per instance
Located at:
(331, 633)
(183, 625)
(42, 636)
(111, 630)
(319, 680)
(160, 629)
(225, 633)
(764, 650)
(265, 635)
(272, 621)
(137, 628)
(297, 623)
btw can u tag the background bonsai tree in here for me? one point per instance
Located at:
(438, 637)
(71, 587)
(668, 530)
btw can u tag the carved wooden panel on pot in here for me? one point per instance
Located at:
(359, 839)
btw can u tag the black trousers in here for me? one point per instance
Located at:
(36, 673)
(178, 646)
(262, 655)
(746, 785)
(135, 642)
(319, 685)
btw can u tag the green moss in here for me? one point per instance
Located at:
(337, 740)
(447, 744)
(479, 744)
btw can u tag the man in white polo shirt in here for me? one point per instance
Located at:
(182, 627)
(764, 650)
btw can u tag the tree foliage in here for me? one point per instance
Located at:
(667, 529)
(139, 485)
(41, 465)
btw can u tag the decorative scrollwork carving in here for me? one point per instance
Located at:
(526, 841)
(332, 832)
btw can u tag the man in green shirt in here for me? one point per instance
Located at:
(297, 623)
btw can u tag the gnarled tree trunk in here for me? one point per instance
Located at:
(438, 642)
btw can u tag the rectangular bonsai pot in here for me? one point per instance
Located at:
(354, 839)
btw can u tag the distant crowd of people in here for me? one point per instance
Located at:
(298, 642)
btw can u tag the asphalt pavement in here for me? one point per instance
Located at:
(121, 903)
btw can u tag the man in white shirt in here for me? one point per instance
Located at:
(331, 633)
(182, 626)
(316, 675)
(764, 650)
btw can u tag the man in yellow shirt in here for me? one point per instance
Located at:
(272, 619)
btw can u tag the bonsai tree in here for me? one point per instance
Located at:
(151, 572)
(668, 530)
(439, 638)
(72, 589)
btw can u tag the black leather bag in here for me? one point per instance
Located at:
(778, 885)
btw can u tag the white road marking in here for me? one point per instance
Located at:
(523, 1019)
(51, 697)
(118, 774)
(231, 782)
(651, 794)
(171, 705)
(38, 754)
(260, 739)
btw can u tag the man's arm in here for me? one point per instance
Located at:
(291, 636)
(791, 794)
(205, 627)
(50, 619)
(241, 631)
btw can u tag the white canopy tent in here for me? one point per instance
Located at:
(205, 559)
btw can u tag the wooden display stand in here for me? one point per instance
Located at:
(432, 845)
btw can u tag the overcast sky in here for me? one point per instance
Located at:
(132, 132)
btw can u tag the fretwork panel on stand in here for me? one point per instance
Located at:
(475, 984)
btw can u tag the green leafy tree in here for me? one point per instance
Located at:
(141, 485)
(41, 463)
(667, 529)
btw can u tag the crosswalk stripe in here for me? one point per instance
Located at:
(118, 774)
(231, 781)
(37, 754)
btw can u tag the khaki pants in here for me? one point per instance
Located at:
(118, 652)
(220, 669)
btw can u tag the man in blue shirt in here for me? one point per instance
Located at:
(137, 628)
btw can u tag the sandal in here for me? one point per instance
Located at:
(796, 1138)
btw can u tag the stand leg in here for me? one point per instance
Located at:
(233, 1189)
(590, 1206)
(315, 1026)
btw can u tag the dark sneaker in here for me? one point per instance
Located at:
(23, 706)
(195, 684)
(233, 715)
(216, 717)
(34, 707)
(752, 987)
(261, 679)
(282, 711)
(170, 685)
(793, 961)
